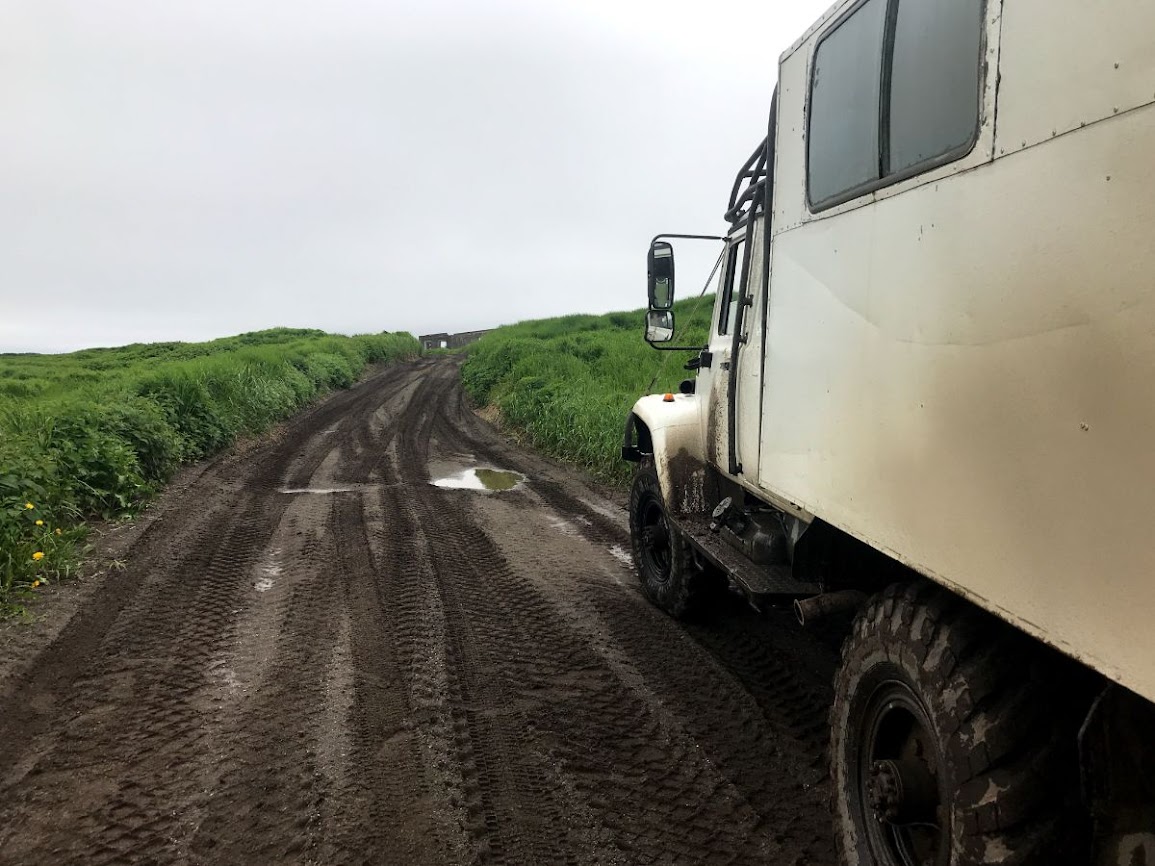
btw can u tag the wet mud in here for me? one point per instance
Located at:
(315, 654)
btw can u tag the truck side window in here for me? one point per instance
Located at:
(731, 275)
(934, 93)
(892, 94)
(843, 136)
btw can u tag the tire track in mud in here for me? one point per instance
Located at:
(579, 739)
(294, 751)
(137, 713)
(502, 785)
(779, 702)
(156, 661)
(381, 670)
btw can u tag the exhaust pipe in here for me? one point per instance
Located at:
(807, 610)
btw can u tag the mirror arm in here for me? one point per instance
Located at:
(662, 347)
(687, 238)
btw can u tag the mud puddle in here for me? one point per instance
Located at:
(481, 478)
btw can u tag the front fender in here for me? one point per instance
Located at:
(671, 431)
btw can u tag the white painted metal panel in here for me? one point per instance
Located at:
(1068, 63)
(676, 431)
(790, 143)
(713, 381)
(961, 376)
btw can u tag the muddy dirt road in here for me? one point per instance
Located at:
(314, 655)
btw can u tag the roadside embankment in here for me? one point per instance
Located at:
(565, 385)
(95, 433)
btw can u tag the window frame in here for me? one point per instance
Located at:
(884, 180)
(732, 275)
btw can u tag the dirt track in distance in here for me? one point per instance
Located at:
(372, 669)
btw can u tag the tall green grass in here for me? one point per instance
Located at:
(567, 384)
(96, 433)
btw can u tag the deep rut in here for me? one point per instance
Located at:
(372, 669)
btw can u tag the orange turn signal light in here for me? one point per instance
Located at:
(669, 398)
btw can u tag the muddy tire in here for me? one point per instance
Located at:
(948, 746)
(669, 576)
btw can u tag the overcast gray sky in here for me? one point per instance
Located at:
(187, 169)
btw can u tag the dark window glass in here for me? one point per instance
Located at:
(934, 93)
(843, 142)
(731, 277)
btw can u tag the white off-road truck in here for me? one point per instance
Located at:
(928, 398)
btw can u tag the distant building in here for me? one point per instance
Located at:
(451, 341)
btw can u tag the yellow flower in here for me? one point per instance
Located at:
(35, 584)
(58, 531)
(29, 505)
(38, 555)
(39, 522)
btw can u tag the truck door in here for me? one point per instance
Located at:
(714, 380)
(746, 391)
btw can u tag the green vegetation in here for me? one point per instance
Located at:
(96, 433)
(567, 384)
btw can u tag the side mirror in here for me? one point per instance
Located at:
(660, 274)
(659, 326)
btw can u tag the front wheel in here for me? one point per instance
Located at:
(950, 744)
(669, 576)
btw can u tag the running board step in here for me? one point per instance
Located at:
(759, 584)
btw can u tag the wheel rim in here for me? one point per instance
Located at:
(900, 781)
(654, 539)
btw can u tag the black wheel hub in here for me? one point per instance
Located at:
(884, 790)
(899, 772)
(902, 792)
(655, 539)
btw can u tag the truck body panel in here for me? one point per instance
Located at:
(1091, 62)
(958, 366)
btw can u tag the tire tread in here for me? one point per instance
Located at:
(688, 589)
(992, 694)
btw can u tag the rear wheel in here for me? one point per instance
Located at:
(950, 744)
(669, 576)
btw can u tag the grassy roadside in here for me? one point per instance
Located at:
(96, 433)
(566, 384)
